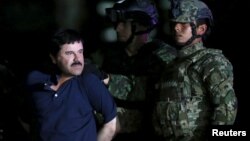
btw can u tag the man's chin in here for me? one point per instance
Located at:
(77, 71)
(76, 74)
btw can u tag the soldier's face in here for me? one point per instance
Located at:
(123, 30)
(182, 32)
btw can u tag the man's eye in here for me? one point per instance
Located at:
(68, 53)
(81, 51)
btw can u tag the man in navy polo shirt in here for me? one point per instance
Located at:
(65, 101)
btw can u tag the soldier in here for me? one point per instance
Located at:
(135, 65)
(196, 90)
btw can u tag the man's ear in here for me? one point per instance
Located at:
(53, 59)
(201, 29)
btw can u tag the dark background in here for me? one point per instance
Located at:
(26, 25)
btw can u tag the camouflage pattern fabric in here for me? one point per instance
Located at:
(187, 11)
(196, 91)
(128, 88)
(133, 88)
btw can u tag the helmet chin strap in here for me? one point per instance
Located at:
(133, 32)
(144, 31)
(194, 35)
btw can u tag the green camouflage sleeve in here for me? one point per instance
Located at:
(120, 86)
(218, 77)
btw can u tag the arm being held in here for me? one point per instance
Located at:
(103, 103)
(109, 129)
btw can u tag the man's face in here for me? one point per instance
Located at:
(123, 30)
(70, 59)
(182, 32)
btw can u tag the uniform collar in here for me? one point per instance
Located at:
(190, 49)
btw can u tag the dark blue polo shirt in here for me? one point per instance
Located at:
(67, 114)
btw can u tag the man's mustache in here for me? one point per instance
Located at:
(76, 63)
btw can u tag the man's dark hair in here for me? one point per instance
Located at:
(61, 37)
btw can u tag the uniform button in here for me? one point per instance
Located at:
(55, 95)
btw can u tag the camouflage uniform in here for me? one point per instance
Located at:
(196, 89)
(133, 86)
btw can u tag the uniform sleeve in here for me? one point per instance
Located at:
(218, 77)
(99, 97)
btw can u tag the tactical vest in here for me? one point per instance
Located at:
(183, 102)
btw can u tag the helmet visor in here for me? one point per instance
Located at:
(115, 15)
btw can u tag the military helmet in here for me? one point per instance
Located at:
(188, 11)
(141, 11)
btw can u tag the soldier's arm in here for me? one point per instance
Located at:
(218, 77)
